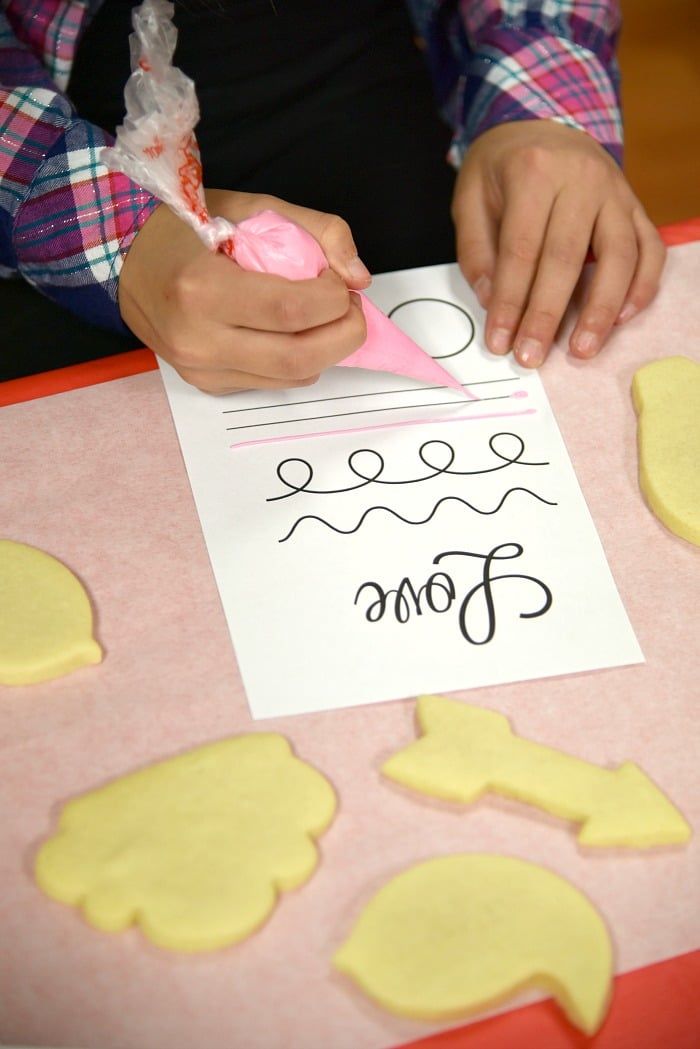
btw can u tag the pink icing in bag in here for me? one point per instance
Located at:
(272, 244)
(156, 147)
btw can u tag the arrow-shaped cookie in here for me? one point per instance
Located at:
(466, 751)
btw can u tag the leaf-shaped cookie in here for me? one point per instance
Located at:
(45, 617)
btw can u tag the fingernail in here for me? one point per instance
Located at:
(627, 312)
(530, 352)
(499, 340)
(358, 271)
(482, 290)
(587, 343)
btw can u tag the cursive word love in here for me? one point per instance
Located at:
(439, 593)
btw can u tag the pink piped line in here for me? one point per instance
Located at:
(381, 426)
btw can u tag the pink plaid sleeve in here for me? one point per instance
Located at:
(66, 222)
(495, 61)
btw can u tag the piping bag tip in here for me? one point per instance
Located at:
(388, 349)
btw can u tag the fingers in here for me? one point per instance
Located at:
(334, 236)
(615, 245)
(284, 358)
(552, 191)
(558, 270)
(477, 234)
(520, 242)
(229, 380)
(652, 256)
(219, 289)
(630, 258)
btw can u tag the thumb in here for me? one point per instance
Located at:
(334, 236)
(331, 232)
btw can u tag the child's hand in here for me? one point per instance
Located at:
(224, 328)
(529, 200)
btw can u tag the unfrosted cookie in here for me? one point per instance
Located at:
(666, 395)
(463, 933)
(466, 751)
(194, 849)
(45, 617)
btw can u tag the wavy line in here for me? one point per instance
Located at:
(407, 520)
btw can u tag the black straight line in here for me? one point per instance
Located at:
(349, 396)
(368, 411)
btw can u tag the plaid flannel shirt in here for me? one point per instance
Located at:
(66, 222)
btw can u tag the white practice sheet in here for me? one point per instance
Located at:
(373, 538)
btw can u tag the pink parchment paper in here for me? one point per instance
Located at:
(95, 477)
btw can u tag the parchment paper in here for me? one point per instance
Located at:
(95, 477)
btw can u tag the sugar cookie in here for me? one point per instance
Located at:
(463, 933)
(194, 849)
(666, 395)
(45, 617)
(466, 751)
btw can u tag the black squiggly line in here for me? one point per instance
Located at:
(407, 520)
(375, 478)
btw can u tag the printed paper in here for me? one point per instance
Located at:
(373, 538)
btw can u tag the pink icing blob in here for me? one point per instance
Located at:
(268, 243)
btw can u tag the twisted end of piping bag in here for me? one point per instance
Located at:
(157, 148)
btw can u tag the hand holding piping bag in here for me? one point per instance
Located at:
(156, 147)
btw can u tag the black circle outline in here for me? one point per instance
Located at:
(445, 302)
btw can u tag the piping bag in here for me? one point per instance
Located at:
(157, 148)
